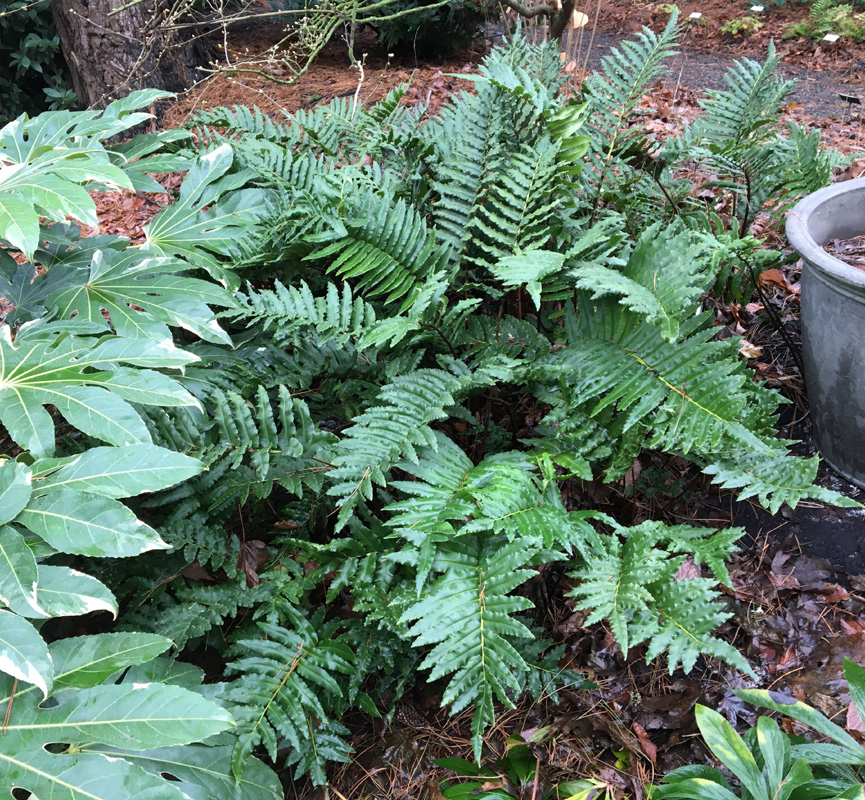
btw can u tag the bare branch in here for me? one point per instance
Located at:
(529, 12)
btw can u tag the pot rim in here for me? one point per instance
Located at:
(804, 244)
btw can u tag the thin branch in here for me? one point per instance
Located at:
(530, 12)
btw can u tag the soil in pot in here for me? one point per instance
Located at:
(850, 251)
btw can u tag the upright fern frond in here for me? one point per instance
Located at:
(614, 93)
(518, 204)
(467, 147)
(752, 102)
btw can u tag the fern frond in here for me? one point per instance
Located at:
(282, 310)
(752, 103)
(288, 693)
(390, 429)
(191, 611)
(210, 545)
(386, 248)
(685, 615)
(248, 447)
(691, 393)
(628, 578)
(517, 204)
(664, 276)
(467, 614)
(241, 122)
(774, 479)
(806, 166)
(467, 148)
(613, 94)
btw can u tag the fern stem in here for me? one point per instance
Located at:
(447, 341)
(776, 320)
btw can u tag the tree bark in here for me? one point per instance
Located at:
(110, 55)
(560, 20)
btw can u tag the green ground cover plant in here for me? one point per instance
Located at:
(282, 428)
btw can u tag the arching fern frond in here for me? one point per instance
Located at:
(385, 248)
(289, 695)
(690, 392)
(389, 430)
(664, 276)
(283, 310)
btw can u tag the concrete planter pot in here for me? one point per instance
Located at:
(833, 324)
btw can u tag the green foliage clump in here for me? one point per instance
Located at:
(32, 70)
(830, 16)
(741, 26)
(295, 403)
(770, 764)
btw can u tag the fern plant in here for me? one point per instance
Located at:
(295, 404)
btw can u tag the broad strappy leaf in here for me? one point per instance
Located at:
(23, 653)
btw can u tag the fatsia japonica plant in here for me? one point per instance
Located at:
(86, 344)
(300, 402)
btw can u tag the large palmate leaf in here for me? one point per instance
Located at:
(204, 772)
(47, 163)
(116, 471)
(75, 375)
(142, 297)
(70, 505)
(23, 653)
(212, 215)
(136, 717)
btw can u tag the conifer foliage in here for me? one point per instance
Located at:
(294, 405)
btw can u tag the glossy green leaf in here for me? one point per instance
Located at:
(43, 367)
(77, 522)
(805, 714)
(136, 717)
(205, 772)
(19, 224)
(143, 296)
(65, 592)
(121, 471)
(82, 776)
(18, 573)
(727, 746)
(185, 229)
(84, 661)
(23, 652)
(855, 675)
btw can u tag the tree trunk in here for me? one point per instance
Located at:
(110, 55)
(560, 20)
